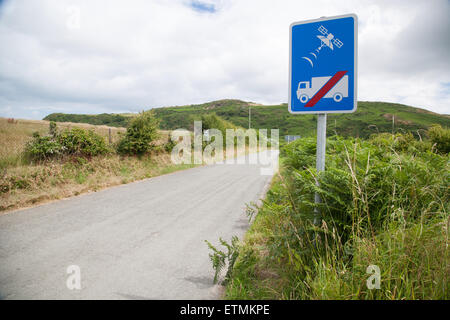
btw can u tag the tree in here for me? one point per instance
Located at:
(141, 132)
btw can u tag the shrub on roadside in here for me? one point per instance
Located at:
(169, 145)
(53, 129)
(42, 148)
(367, 179)
(440, 137)
(82, 142)
(76, 141)
(142, 131)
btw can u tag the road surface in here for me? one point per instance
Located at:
(143, 240)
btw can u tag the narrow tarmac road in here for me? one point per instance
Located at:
(144, 240)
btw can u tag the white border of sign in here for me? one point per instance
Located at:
(355, 51)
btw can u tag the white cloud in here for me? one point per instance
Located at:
(126, 56)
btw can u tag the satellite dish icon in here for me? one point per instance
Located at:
(326, 40)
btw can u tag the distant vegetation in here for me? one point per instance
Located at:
(212, 121)
(371, 117)
(112, 120)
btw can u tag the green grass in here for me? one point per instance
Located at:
(174, 168)
(371, 117)
(385, 203)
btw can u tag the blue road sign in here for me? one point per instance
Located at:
(323, 65)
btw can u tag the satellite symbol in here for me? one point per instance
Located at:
(326, 39)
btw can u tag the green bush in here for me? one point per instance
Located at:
(142, 131)
(82, 142)
(213, 121)
(53, 129)
(366, 179)
(76, 142)
(169, 145)
(42, 148)
(440, 137)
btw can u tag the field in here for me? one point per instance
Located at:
(14, 134)
(24, 183)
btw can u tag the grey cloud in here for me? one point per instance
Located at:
(425, 41)
(158, 53)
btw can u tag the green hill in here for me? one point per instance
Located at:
(371, 117)
(108, 119)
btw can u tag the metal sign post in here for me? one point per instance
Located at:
(322, 74)
(320, 156)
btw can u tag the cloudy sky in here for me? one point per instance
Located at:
(94, 56)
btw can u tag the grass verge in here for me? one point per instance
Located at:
(385, 204)
(24, 183)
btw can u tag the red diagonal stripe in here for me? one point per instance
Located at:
(327, 87)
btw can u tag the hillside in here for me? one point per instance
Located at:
(370, 117)
(113, 120)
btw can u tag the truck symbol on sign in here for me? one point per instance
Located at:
(307, 89)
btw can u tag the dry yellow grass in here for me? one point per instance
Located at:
(15, 135)
(24, 184)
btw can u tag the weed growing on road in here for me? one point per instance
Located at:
(221, 259)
